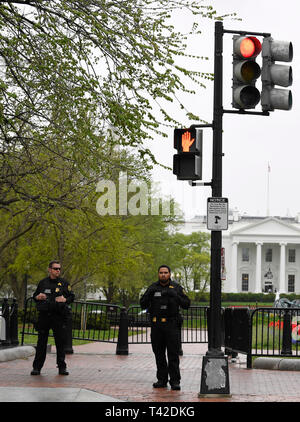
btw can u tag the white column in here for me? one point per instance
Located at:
(258, 287)
(234, 285)
(282, 287)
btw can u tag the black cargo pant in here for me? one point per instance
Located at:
(57, 323)
(165, 339)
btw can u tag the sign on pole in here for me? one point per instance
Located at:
(217, 213)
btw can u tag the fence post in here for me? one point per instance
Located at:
(180, 351)
(287, 334)
(226, 338)
(13, 324)
(68, 332)
(24, 319)
(122, 345)
(249, 354)
(5, 315)
(249, 360)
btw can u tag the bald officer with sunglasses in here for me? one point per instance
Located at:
(52, 297)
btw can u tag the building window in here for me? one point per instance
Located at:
(245, 254)
(269, 255)
(292, 255)
(291, 283)
(245, 282)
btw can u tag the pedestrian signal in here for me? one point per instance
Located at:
(187, 164)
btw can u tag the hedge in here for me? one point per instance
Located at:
(242, 297)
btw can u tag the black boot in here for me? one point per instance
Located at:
(175, 386)
(63, 371)
(160, 384)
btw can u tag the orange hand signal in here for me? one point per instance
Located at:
(186, 141)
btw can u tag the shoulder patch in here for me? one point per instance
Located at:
(69, 287)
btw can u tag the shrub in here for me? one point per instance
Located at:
(93, 321)
(31, 317)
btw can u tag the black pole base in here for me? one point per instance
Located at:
(122, 345)
(120, 351)
(214, 377)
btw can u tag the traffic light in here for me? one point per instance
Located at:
(276, 74)
(187, 164)
(245, 72)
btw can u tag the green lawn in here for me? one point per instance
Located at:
(103, 335)
(32, 339)
(100, 335)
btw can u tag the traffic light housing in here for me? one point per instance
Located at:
(245, 72)
(276, 74)
(187, 164)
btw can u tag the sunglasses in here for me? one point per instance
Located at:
(55, 268)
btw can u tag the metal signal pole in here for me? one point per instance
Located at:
(214, 346)
(215, 376)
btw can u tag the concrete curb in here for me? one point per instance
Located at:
(20, 352)
(44, 394)
(289, 365)
(280, 364)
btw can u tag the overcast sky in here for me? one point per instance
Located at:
(249, 142)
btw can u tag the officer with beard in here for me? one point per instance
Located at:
(163, 300)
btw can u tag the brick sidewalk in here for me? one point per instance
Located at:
(96, 367)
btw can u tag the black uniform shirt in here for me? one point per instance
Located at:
(161, 303)
(53, 288)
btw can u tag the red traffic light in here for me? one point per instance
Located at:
(245, 72)
(248, 47)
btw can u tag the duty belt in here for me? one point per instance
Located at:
(163, 319)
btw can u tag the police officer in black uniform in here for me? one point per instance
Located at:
(163, 299)
(52, 297)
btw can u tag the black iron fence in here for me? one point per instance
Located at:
(86, 321)
(93, 321)
(254, 332)
(275, 332)
(192, 325)
(263, 332)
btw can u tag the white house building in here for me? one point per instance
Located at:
(260, 254)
